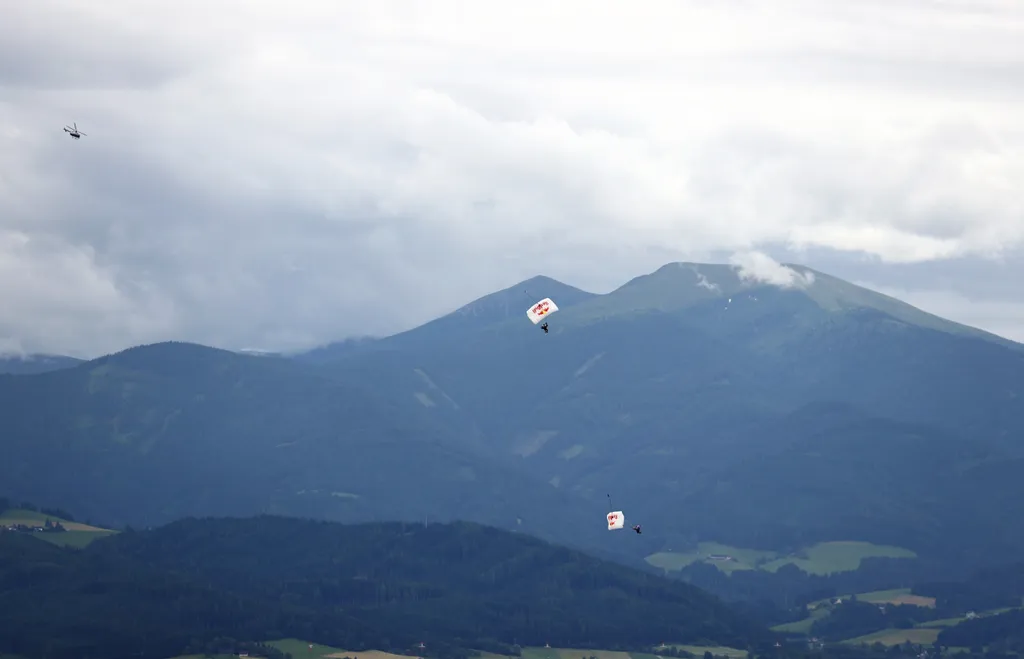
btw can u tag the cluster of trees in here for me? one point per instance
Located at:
(782, 596)
(459, 587)
(853, 618)
(989, 588)
(222, 645)
(985, 591)
(999, 633)
(47, 527)
(903, 651)
(789, 588)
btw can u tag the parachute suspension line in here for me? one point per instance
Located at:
(610, 507)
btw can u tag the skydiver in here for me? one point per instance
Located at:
(544, 327)
(636, 527)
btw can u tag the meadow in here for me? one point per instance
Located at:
(300, 649)
(918, 635)
(76, 535)
(924, 633)
(821, 559)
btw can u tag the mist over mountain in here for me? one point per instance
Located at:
(29, 364)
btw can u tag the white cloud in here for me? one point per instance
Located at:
(759, 267)
(702, 282)
(258, 178)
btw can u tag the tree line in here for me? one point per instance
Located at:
(460, 588)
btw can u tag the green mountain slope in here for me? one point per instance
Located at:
(380, 586)
(160, 432)
(509, 304)
(677, 287)
(61, 603)
(833, 472)
(681, 381)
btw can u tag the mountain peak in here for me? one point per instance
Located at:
(497, 307)
(170, 357)
(688, 282)
(679, 286)
(514, 300)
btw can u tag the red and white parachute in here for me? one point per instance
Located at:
(541, 310)
(616, 520)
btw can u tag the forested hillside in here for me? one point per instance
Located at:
(384, 586)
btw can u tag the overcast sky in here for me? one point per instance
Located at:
(278, 175)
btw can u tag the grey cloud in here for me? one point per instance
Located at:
(55, 44)
(253, 180)
(985, 280)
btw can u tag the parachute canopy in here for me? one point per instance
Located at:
(616, 520)
(541, 310)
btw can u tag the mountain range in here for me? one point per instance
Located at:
(766, 412)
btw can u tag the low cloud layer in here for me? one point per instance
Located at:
(267, 180)
(759, 267)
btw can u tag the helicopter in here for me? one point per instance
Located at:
(73, 131)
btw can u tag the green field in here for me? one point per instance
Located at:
(924, 633)
(952, 622)
(820, 559)
(894, 596)
(718, 651)
(299, 649)
(575, 653)
(740, 558)
(77, 534)
(828, 557)
(901, 596)
(571, 653)
(898, 636)
(802, 626)
(940, 624)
